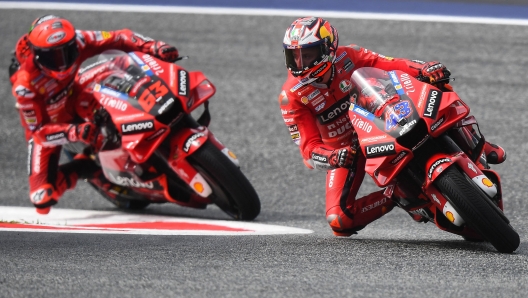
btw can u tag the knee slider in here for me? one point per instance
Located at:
(44, 197)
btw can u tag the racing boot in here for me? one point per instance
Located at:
(363, 210)
(495, 154)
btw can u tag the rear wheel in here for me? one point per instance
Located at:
(232, 192)
(472, 204)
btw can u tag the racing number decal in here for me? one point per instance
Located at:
(400, 110)
(147, 99)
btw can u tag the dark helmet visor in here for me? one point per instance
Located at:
(57, 58)
(302, 59)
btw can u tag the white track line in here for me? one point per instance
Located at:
(261, 12)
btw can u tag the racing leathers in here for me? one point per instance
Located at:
(317, 118)
(47, 109)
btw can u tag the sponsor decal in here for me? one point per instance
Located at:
(137, 127)
(313, 94)
(407, 83)
(55, 136)
(168, 103)
(293, 128)
(373, 139)
(153, 64)
(418, 61)
(320, 107)
(114, 103)
(295, 136)
(399, 157)
(396, 82)
(93, 65)
(382, 149)
(129, 181)
(56, 37)
(318, 158)
(345, 125)
(472, 167)
(362, 112)
(437, 124)
(190, 140)
(345, 86)
(183, 86)
(348, 65)
(287, 120)
(340, 57)
(24, 92)
(156, 134)
(407, 127)
(422, 96)
(487, 182)
(320, 69)
(304, 100)
(334, 111)
(374, 205)
(318, 100)
(332, 177)
(435, 165)
(359, 123)
(432, 103)
(436, 199)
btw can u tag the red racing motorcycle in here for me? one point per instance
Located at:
(422, 146)
(150, 146)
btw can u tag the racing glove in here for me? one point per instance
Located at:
(435, 71)
(342, 157)
(164, 51)
(84, 132)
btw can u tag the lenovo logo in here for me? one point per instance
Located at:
(137, 127)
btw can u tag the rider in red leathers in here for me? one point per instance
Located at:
(314, 103)
(46, 63)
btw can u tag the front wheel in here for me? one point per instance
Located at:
(470, 202)
(232, 192)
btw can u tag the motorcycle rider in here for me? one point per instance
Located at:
(314, 103)
(42, 74)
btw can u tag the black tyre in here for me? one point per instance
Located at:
(472, 204)
(232, 192)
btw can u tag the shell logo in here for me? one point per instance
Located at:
(231, 154)
(450, 216)
(487, 182)
(305, 100)
(198, 186)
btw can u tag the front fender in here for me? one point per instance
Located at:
(438, 163)
(186, 141)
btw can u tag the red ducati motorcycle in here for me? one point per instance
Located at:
(150, 147)
(422, 146)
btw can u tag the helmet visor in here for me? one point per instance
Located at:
(57, 58)
(302, 59)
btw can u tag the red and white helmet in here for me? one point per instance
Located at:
(310, 37)
(53, 42)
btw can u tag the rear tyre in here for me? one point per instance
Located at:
(232, 192)
(471, 203)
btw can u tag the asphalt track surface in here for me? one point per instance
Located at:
(242, 55)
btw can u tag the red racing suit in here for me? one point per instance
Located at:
(317, 118)
(47, 108)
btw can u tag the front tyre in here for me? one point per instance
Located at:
(232, 192)
(470, 202)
